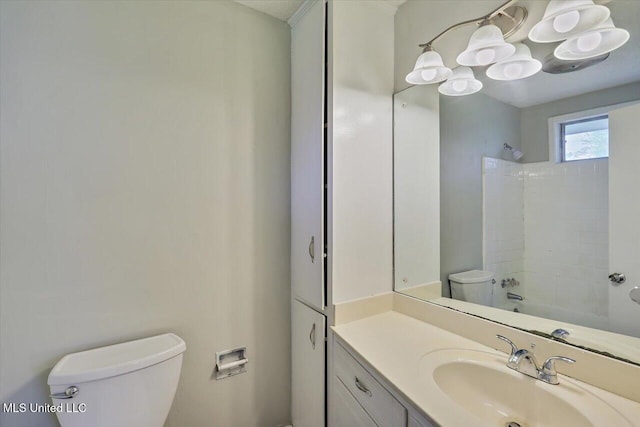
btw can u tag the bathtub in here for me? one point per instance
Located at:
(561, 314)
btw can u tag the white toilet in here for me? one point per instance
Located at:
(473, 286)
(124, 385)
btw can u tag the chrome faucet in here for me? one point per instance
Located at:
(511, 295)
(523, 361)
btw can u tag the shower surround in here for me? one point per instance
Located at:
(546, 225)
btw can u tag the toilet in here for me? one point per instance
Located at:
(123, 385)
(473, 286)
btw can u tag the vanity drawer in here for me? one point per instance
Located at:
(385, 410)
(347, 412)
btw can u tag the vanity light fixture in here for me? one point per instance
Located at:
(518, 66)
(564, 19)
(586, 28)
(462, 82)
(486, 46)
(589, 44)
(429, 68)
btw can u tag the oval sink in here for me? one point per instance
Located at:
(476, 388)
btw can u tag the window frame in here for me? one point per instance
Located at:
(563, 140)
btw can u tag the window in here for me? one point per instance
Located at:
(581, 135)
(585, 139)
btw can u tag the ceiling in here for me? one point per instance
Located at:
(281, 9)
(284, 9)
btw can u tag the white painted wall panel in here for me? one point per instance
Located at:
(362, 58)
(145, 188)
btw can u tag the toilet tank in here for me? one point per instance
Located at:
(123, 385)
(473, 286)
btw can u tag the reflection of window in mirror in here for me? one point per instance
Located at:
(583, 135)
(585, 139)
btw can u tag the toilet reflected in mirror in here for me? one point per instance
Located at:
(473, 286)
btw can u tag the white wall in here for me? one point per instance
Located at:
(145, 188)
(361, 126)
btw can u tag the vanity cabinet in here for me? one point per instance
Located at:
(383, 408)
(361, 398)
(347, 411)
(417, 421)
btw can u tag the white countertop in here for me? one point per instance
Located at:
(393, 345)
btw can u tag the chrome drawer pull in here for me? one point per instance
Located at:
(69, 393)
(362, 388)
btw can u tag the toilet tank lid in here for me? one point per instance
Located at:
(113, 360)
(473, 276)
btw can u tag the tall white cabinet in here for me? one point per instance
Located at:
(341, 130)
(308, 286)
(307, 155)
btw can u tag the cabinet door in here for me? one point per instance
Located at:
(307, 156)
(347, 412)
(308, 366)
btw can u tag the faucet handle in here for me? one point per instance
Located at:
(560, 333)
(551, 367)
(548, 372)
(514, 348)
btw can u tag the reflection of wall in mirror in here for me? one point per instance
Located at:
(471, 127)
(535, 137)
(416, 170)
(553, 237)
(466, 127)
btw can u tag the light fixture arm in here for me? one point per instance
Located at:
(428, 45)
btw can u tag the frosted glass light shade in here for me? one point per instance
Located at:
(462, 82)
(486, 46)
(429, 69)
(564, 19)
(602, 39)
(518, 66)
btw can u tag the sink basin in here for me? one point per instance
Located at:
(476, 388)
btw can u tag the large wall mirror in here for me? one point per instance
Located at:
(531, 230)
